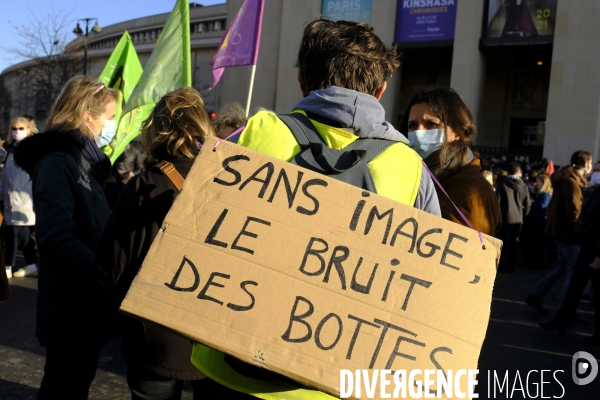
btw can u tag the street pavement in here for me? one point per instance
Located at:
(514, 344)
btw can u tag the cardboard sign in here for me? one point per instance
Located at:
(259, 256)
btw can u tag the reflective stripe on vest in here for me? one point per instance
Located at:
(212, 363)
(396, 173)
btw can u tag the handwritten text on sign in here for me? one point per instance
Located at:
(261, 256)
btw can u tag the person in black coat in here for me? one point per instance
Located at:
(68, 171)
(515, 204)
(158, 360)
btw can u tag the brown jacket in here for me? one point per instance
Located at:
(4, 288)
(565, 206)
(475, 198)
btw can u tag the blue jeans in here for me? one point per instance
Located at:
(565, 264)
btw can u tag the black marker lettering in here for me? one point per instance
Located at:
(236, 307)
(173, 284)
(265, 182)
(202, 295)
(362, 288)
(395, 353)
(413, 281)
(387, 287)
(433, 248)
(435, 362)
(320, 326)
(316, 253)
(359, 323)
(307, 184)
(210, 238)
(244, 232)
(236, 174)
(386, 326)
(337, 261)
(356, 215)
(291, 194)
(299, 318)
(447, 250)
(412, 236)
(374, 213)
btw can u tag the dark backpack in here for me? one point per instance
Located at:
(348, 165)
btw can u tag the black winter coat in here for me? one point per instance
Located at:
(71, 214)
(515, 202)
(135, 221)
(587, 227)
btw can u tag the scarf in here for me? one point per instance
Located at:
(359, 111)
(98, 160)
(455, 158)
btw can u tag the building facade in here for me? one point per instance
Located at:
(528, 69)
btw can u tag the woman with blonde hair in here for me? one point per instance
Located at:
(16, 197)
(68, 170)
(158, 360)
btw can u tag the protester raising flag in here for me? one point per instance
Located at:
(239, 45)
(122, 72)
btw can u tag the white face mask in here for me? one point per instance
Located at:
(426, 142)
(108, 133)
(595, 178)
(19, 135)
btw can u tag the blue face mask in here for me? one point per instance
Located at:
(426, 142)
(108, 133)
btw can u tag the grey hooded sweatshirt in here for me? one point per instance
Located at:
(365, 115)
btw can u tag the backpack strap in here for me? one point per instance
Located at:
(303, 130)
(307, 135)
(370, 147)
(171, 172)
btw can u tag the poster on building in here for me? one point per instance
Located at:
(519, 21)
(527, 135)
(348, 10)
(425, 21)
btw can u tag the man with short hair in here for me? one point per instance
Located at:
(515, 203)
(343, 67)
(563, 211)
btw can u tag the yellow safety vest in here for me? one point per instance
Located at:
(396, 173)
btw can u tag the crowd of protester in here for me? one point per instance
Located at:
(94, 222)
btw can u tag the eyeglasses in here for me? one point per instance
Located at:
(14, 128)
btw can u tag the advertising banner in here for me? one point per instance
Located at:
(306, 276)
(425, 20)
(348, 10)
(519, 21)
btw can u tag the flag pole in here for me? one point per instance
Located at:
(250, 89)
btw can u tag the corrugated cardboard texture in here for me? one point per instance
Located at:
(370, 283)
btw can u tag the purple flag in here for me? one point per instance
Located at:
(239, 45)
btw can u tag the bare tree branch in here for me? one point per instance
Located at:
(46, 41)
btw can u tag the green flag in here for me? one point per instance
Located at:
(129, 127)
(169, 66)
(122, 72)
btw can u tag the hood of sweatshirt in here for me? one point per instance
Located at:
(515, 184)
(359, 111)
